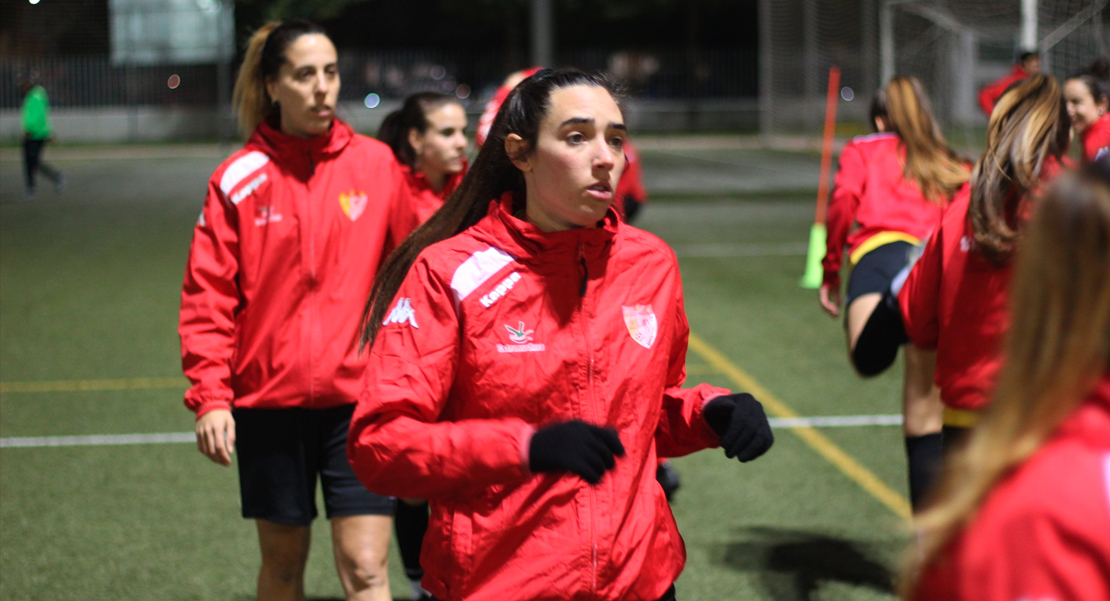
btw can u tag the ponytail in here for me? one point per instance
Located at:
(936, 169)
(249, 98)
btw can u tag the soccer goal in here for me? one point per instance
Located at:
(954, 46)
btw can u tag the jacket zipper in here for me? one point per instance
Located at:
(588, 414)
(311, 283)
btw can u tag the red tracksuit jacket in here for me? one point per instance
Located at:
(1096, 139)
(427, 201)
(955, 301)
(504, 329)
(871, 192)
(281, 263)
(990, 93)
(1043, 533)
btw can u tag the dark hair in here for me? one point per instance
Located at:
(413, 114)
(263, 59)
(1028, 127)
(491, 175)
(1028, 54)
(1097, 79)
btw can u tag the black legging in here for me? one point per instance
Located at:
(411, 524)
(32, 162)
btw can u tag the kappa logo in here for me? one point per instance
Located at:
(353, 203)
(402, 313)
(246, 190)
(500, 290)
(641, 323)
(521, 337)
(266, 214)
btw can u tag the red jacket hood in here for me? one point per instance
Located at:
(300, 155)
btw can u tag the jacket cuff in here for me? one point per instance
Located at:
(705, 430)
(212, 406)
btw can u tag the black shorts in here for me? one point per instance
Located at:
(280, 453)
(876, 269)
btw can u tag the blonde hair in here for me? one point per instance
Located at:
(249, 98)
(1029, 125)
(936, 169)
(1056, 349)
(262, 61)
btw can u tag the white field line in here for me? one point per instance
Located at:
(836, 421)
(840, 421)
(96, 441)
(788, 249)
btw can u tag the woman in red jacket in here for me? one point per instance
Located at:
(1088, 96)
(891, 189)
(1024, 510)
(1029, 63)
(428, 137)
(292, 232)
(954, 300)
(528, 352)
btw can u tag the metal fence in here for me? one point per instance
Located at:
(77, 82)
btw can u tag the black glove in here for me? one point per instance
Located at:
(577, 447)
(742, 425)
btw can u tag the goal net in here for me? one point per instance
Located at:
(954, 47)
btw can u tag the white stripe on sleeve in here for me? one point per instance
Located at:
(240, 169)
(478, 268)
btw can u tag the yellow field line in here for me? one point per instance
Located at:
(859, 474)
(83, 385)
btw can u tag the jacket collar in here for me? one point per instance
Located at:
(528, 243)
(300, 155)
(1102, 124)
(418, 181)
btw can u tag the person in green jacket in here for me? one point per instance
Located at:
(36, 133)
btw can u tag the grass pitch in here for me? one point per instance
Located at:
(89, 290)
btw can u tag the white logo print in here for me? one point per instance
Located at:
(500, 291)
(520, 336)
(402, 312)
(965, 243)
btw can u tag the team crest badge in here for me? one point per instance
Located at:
(641, 324)
(353, 203)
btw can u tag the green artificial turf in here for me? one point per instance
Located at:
(89, 290)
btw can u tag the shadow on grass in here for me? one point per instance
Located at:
(793, 564)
